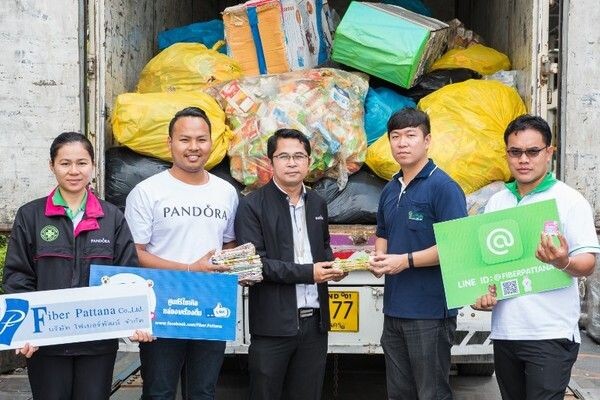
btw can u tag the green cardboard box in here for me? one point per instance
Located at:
(389, 42)
(497, 248)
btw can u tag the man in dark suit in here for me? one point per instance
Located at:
(289, 310)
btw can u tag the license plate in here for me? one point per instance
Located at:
(343, 309)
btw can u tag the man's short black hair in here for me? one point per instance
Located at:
(189, 112)
(286, 134)
(528, 121)
(409, 118)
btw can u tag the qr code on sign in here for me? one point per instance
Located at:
(510, 288)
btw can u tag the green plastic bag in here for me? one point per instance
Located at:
(388, 42)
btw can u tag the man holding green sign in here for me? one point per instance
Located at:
(498, 249)
(536, 337)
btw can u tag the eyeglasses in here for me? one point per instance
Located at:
(531, 153)
(298, 157)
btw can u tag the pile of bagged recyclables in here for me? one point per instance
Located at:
(382, 58)
(325, 104)
(126, 168)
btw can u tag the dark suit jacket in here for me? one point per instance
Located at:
(263, 218)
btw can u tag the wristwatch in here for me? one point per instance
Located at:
(411, 263)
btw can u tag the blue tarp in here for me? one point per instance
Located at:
(380, 104)
(412, 5)
(207, 33)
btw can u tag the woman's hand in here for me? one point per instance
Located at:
(27, 350)
(141, 336)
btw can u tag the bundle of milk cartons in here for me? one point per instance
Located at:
(243, 262)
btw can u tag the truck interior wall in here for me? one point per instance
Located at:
(508, 26)
(443, 10)
(205, 10)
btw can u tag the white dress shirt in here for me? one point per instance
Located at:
(306, 294)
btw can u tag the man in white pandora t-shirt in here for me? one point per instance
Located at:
(536, 337)
(178, 218)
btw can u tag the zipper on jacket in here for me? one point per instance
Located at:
(76, 258)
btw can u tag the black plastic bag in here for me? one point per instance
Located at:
(125, 169)
(357, 203)
(437, 79)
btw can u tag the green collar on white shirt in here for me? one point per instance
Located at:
(546, 183)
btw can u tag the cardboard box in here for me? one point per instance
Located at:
(275, 36)
(255, 37)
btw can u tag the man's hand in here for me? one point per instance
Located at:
(203, 264)
(388, 264)
(548, 253)
(141, 336)
(322, 272)
(487, 301)
(27, 350)
(344, 274)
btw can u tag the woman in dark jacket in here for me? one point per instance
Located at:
(53, 242)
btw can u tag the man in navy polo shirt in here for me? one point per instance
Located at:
(418, 329)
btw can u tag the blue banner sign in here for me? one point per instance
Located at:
(183, 305)
(72, 315)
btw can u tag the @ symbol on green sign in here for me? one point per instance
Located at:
(500, 242)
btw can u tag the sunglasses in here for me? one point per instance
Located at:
(530, 153)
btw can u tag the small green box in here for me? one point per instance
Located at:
(389, 42)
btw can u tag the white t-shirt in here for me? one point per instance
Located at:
(178, 221)
(553, 314)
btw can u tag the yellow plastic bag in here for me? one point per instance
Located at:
(187, 67)
(141, 122)
(468, 120)
(380, 159)
(478, 57)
